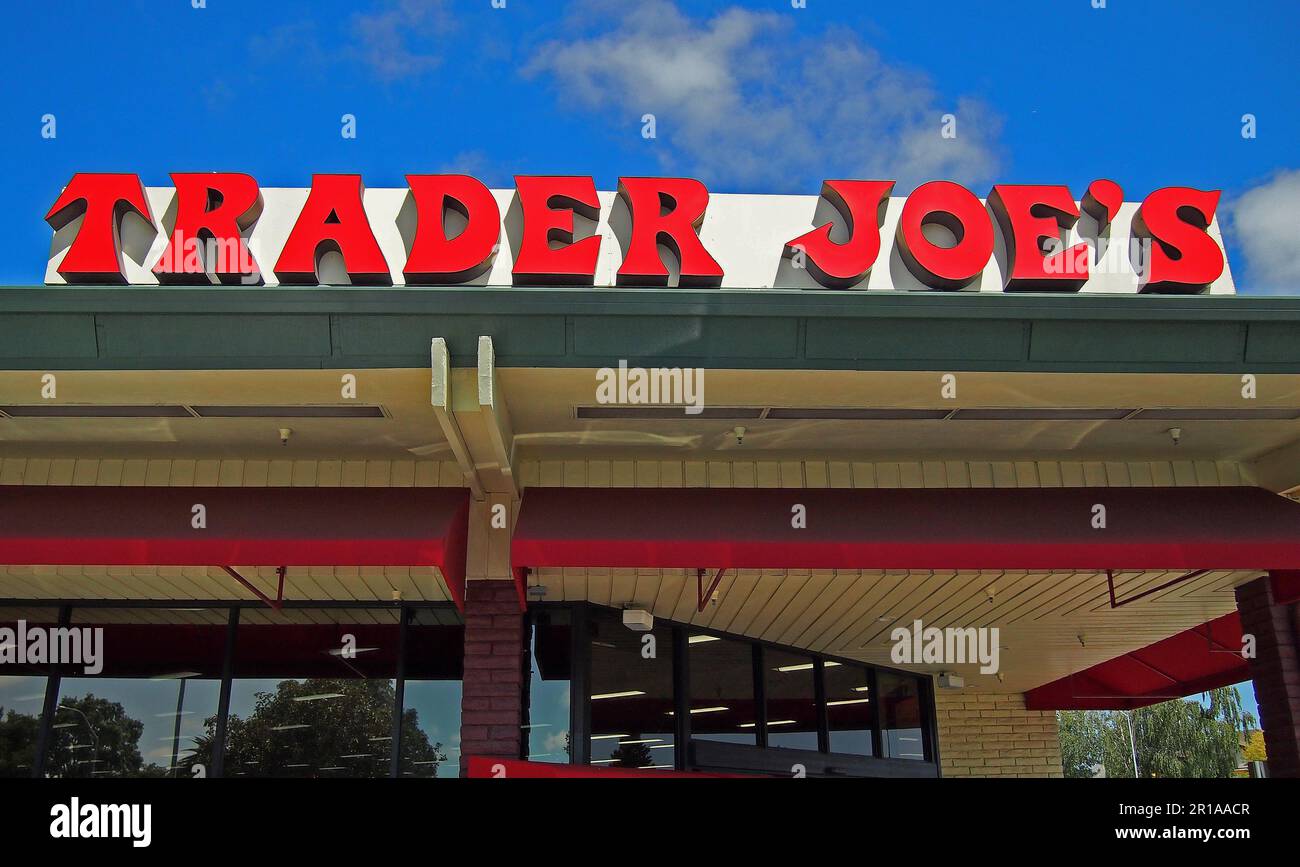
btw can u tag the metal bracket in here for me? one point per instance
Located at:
(1110, 584)
(277, 603)
(703, 596)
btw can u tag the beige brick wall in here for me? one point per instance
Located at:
(992, 735)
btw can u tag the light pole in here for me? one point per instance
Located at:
(94, 735)
(1132, 742)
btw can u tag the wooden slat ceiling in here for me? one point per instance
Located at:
(1051, 623)
(179, 583)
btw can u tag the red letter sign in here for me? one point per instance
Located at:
(1029, 215)
(333, 218)
(210, 208)
(95, 255)
(666, 211)
(955, 208)
(861, 205)
(1183, 259)
(434, 257)
(548, 205)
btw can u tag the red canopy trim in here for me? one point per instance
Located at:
(908, 528)
(155, 526)
(1202, 658)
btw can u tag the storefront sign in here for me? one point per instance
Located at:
(652, 232)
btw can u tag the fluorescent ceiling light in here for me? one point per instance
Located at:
(847, 701)
(317, 411)
(66, 410)
(667, 412)
(625, 694)
(702, 639)
(855, 414)
(290, 728)
(176, 675)
(694, 710)
(607, 737)
(804, 666)
(1040, 414)
(642, 741)
(770, 723)
(320, 696)
(1218, 414)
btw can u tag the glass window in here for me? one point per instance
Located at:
(631, 694)
(147, 705)
(313, 695)
(849, 710)
(431, 699)
(791, 700)
(900, 716)
(546, 705)
(22, 689)
(722, 689)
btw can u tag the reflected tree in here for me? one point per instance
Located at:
(322, 727)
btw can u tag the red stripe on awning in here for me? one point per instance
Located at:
(154, 526)
(923, 528)
(1202, 658)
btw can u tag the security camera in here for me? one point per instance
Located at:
(285, 433)
(1175, 434)
(739, 431)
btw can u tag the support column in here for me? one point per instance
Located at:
(492, 691)
(1275, 672)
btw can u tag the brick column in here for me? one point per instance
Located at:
(984, 734)
(491, 696)
(1275, 673)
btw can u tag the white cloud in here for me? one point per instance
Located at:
(1264, 227)
(385, 38)
(742, 99)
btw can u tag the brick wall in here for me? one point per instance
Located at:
(494, 671)
(1275, 671)
(993, 735)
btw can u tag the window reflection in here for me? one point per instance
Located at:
(722, 689)
(631, 695)
(313, 697)
(22, 692)
(546, 706)
(791, 700)
(850, 712)
(147, 712)
(900, 716)
(432, 694)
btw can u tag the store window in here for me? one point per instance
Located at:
(22, 689)
(431, 693)
(147, 706)
(313, 695)
(850, 709)
(900, 716)
(632, 717)
(791, 700)
(722, 689)
(546, 705)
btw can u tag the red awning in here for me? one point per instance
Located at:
(908, 528)
(1202, 658)
(155, 526)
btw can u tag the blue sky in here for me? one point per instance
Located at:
(748, 95)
